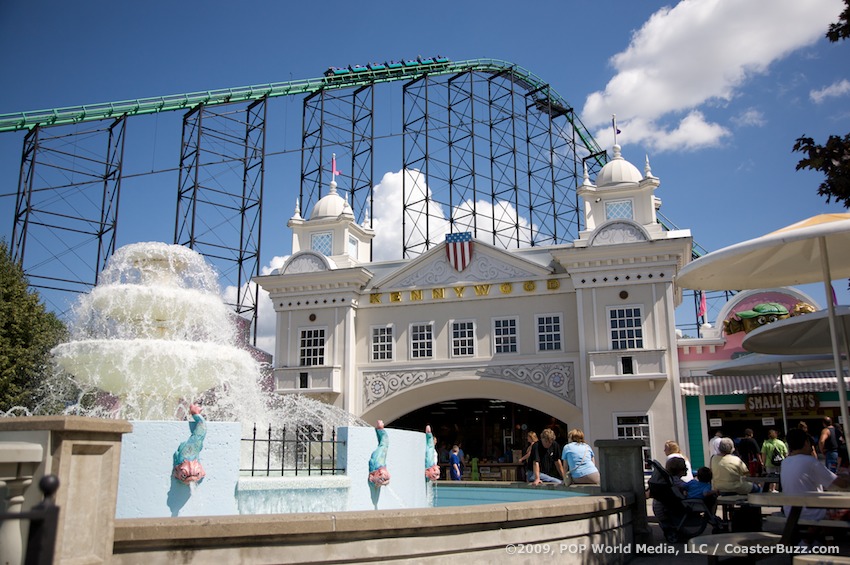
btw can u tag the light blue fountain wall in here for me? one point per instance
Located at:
(408, 486)
(147, 490)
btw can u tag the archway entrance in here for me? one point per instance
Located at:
(485, 428)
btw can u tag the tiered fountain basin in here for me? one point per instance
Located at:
(173, 369)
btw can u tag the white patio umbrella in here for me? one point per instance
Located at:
(806, 334)
(809, 251)
(760, 364)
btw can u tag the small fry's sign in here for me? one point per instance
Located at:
(760, 402)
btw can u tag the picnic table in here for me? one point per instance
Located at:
(829, 499)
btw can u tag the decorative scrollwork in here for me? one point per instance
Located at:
(481, 268)
(554, 378)
(618, 232)
(380, 385)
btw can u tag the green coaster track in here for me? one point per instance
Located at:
(346, 78)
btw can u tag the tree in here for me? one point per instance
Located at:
(27, 333)
(833, 158)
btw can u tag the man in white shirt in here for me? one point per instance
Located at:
(714, 443)
(803, 473)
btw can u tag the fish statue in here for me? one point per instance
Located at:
(432, 467)
(187, 468)
(378, 473)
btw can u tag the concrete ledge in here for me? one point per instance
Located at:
(428, 535)
(65, 424)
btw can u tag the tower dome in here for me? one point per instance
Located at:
(332, 205)
(618, 171)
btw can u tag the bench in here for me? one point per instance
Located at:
(779, 518)
(820, 559)
(716, 546)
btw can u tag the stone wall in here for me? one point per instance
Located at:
(556, 531)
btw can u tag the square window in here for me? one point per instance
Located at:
(626, 328)
(311, 350)
(635, 427)
(619, 209)
(549, 332)
(382, 343)
(463, 339)
(322, 243)
(505, 339)
(421, 341)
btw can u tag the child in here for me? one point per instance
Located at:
(700, 488)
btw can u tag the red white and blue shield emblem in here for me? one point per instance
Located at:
(459, 249)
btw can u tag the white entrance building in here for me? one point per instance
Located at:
(584, 332)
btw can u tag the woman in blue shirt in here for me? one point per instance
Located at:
(578, 459)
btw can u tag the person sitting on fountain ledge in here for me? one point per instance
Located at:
(187, 468)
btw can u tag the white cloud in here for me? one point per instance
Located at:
(387, 214)
(697, 53)
(834, 90)
(749, 117)
(501, 218)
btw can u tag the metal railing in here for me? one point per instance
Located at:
(44, 520)
(279, 454)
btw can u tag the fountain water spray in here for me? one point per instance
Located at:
(155, 334)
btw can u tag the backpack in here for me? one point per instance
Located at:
(777, 458)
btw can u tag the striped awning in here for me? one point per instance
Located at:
(820, 381)
(708, 385)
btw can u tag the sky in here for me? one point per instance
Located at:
(713, 92)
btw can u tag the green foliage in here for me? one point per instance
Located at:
(27, 333)
(832, 159)
(840, 30)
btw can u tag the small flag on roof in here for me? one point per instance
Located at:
(459, 249)
(334, 171)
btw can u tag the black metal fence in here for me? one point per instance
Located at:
(302, 451)
(44, 520)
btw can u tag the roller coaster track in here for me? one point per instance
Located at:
(364, 76)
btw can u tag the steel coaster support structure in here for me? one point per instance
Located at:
(463, 159)
(76, 168)
(504, 170)
(220, 193)
(341, 122)
(533, 161)
(553, 170)
(416, 168)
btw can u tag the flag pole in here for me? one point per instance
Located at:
(614, 125)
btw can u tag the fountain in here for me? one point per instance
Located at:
(154, 332)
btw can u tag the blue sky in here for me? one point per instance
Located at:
(715, 92)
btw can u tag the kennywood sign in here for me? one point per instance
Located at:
(760, 402)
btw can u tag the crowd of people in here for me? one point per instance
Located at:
(801, 463)
(823, 464)
(732, 463)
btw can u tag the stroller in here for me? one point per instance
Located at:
(680, 518)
